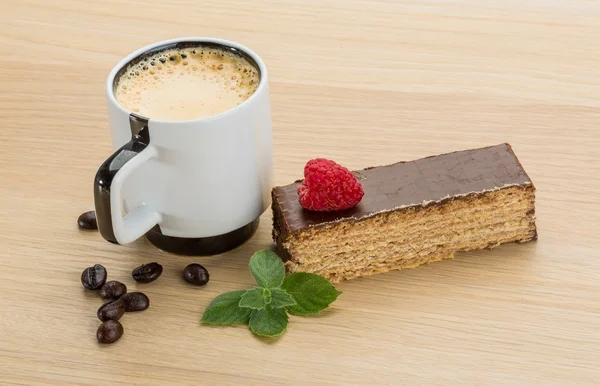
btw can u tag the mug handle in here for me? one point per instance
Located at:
(107, 192)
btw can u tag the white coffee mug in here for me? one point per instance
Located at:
(192, 187)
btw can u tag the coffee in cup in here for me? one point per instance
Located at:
(179, 84)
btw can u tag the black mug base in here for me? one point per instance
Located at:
(202, 246)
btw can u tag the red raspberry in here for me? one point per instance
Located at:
(328, 186)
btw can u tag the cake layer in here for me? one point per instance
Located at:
(412, 213)
(457, 217)
(373, 246)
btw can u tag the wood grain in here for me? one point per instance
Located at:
(364, 82)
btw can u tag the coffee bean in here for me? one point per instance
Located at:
(109, 332)
(93, 278)
(135, 301)
(113, 290)
(196, 274)
(147, 273)
(112, 310)
(87, 220)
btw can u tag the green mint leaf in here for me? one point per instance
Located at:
(280, 298)
(254, 299)
(311, 292)
(267, 269)
(225, 309)
(269, 321)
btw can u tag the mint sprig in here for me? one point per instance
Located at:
(265, 308)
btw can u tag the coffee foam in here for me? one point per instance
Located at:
(188, 83)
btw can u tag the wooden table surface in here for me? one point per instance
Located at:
(364, 83)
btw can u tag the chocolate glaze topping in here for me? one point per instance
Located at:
(421, 182)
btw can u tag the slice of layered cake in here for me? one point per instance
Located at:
(412, 213)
